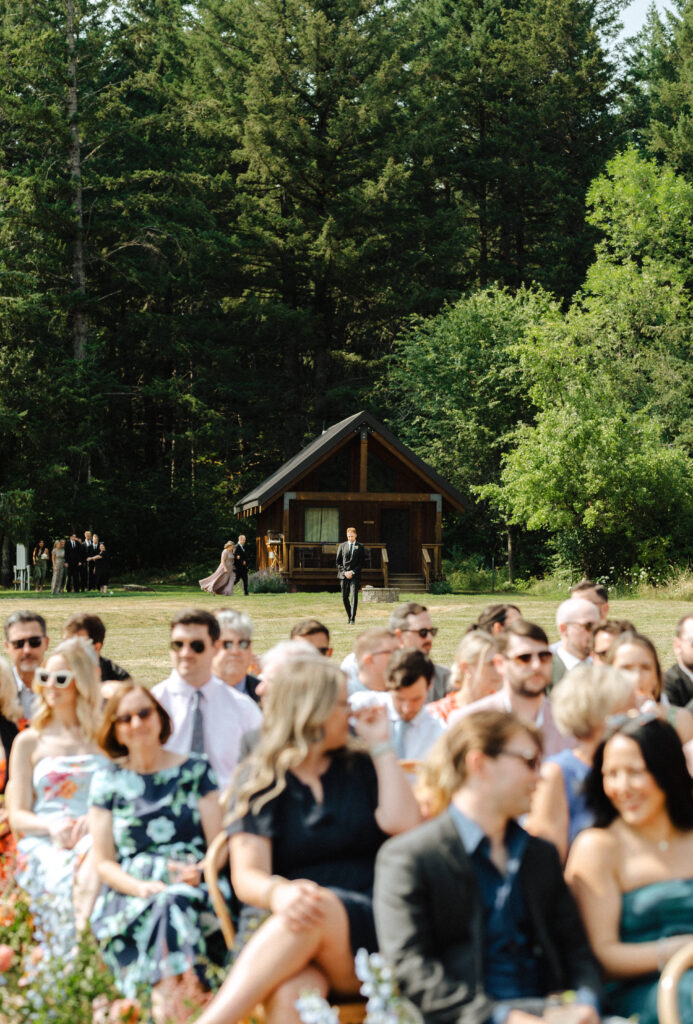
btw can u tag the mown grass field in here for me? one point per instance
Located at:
(137, 623)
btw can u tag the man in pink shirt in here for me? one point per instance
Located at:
(524, 661)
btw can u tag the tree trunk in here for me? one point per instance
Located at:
(6, 565)
(79, 321)
(511, 554)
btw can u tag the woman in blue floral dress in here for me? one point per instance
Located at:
(152, 816)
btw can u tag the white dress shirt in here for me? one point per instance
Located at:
(27, 698)
(227, 715)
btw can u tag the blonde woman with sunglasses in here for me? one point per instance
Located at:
(51, 766)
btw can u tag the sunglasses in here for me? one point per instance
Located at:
(526, 659)
(532, 762)
(228, 645)
(324, 651)
(61, 679)
(423, 633)
(143, 714)
(198, 646)
(33, 641)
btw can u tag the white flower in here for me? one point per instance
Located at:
(128, 785)
(160, 830)
(313, 1009)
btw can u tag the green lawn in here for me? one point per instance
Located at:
(137, 623)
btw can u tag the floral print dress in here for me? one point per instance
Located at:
(156, 819)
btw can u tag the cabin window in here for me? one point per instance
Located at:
(321, 525)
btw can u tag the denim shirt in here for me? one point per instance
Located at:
(511, 970)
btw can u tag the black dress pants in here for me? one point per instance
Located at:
(350, 596)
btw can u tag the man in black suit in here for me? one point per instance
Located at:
(74, 558)
(240, 563)
(471, 911)
(350, 559)
(678, 680)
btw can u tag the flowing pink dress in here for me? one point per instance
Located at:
(221, 580)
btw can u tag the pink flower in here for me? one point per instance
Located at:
(36, 955)
(6, 956)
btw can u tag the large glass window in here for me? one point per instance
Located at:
(321, 525)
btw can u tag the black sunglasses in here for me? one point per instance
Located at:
(230, 644)
(125, 719)
(33, 641)
(543, 656)
(423, 633)
(198, 646)
(324, 651)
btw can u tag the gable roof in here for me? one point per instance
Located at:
(295, 467)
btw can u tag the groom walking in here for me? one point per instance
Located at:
(350, 559)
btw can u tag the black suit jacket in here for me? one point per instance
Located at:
(252, 683)
(74, 554)
(429, 920)
(678, 686)
(240, 555)
(355, 563)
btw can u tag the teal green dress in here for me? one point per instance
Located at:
(653, 912)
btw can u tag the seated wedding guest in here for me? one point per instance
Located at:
(594, 592)
(409, 679)
(632, 874)
(235, 656)
(208, 717)
(575, 619)
(524, 662)
(413, 626)
(678, 680)
(51, 767)
(12, 722)
(26, 643)
(314, 633)
(92, 627)
(581, 704)
(474, 674)
(495, 617)
(473, 913)
(308, 816)
(373, 649)
(636, 654)
(604, 634)
(152, 816)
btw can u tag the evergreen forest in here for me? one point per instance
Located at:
(226, 224)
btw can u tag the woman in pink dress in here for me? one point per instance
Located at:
(221, 580)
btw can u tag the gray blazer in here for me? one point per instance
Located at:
(429, 920)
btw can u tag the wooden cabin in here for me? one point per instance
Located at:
(355, 474)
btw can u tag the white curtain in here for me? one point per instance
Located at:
(321, 525)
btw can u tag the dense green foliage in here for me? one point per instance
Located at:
(226, 223)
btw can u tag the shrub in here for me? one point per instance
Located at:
(440, 587)
(265, 582)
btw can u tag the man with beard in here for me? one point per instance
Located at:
(678, 680)
(524, 661)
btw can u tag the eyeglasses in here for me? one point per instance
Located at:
(423, 632)
(543, 657)
(532, 762)
(324, 651)
(198, 646)
(33, 641)
(143, 714)
(61, 679)
(228, 645)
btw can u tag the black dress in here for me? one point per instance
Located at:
(333, 843)
(101, 571)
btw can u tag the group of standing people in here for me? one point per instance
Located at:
(232, 569)
(78, 564)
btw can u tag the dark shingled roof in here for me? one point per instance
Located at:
(282, 479)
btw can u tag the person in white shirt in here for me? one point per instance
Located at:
(575, 619)
(413, 730)
(208, 716)
(372, 650)
(26, 644)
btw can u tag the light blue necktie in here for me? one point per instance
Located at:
(399, 738)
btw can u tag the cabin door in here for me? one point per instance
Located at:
(394, 533)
